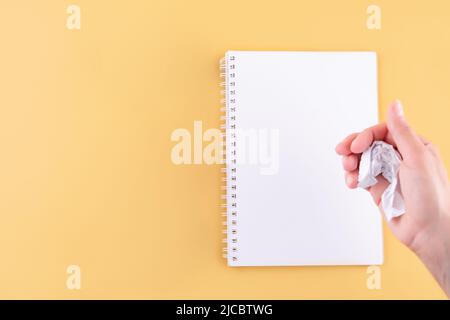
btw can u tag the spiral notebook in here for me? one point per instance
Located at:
(286, 200)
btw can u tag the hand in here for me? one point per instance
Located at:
(425, 227)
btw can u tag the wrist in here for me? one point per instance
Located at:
(432, 246)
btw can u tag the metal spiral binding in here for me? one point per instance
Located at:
(228, 118)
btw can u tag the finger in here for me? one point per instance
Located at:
(351, 179)
(408, 143)
(365, 139)
(350, 162)
(376, 191)
(343, 148)
(389, 139)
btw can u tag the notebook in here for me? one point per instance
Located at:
(286, 200)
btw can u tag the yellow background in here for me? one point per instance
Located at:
(86, 176)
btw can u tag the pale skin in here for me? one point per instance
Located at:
(425, 227)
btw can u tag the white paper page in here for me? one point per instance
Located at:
(304, 214)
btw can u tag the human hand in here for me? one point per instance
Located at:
(425, 227)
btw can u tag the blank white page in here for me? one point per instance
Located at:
(301, 213)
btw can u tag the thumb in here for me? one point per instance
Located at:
(408, 143)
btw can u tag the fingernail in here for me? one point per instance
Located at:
(398, 108)
(348, 180)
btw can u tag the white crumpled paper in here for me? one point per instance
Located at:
(382, 158)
